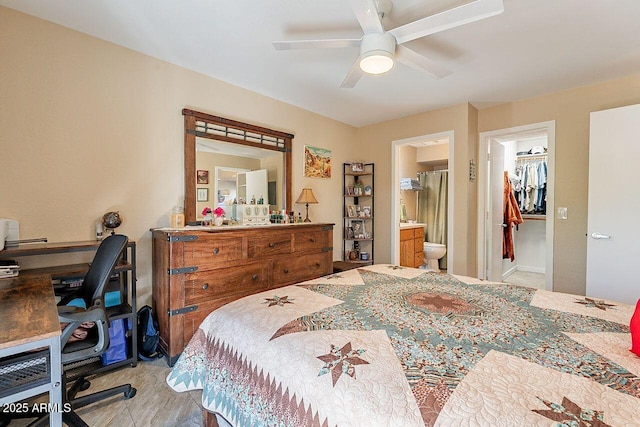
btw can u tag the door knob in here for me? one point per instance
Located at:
(599, 236)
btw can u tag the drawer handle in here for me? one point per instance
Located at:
(271, 245)
(254, 277)
(216, 250)
(205, 286)
(313, 240)
(286, 270)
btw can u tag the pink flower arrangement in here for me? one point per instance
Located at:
(218, 211)
(206, 211)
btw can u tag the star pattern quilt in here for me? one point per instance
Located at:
(394, 346)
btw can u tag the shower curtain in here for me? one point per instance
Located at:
(432, 208)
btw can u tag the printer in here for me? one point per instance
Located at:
(9, 231)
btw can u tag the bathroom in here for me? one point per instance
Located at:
(423, 168)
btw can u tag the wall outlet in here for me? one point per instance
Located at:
(562, 213)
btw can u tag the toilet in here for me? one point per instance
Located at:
(432, 253)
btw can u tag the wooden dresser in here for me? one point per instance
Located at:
(198, 269)
(411, 246)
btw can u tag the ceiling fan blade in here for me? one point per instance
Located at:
(353, 76)
(419, 62)
(367, 15)
(316, 44)
(470, 12)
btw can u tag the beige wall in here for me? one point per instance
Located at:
(378, 139)
(87, 127)
(570, 109)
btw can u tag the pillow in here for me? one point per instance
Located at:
(634, 326)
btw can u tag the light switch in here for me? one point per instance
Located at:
(562, 213)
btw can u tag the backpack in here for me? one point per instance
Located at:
(148, 335)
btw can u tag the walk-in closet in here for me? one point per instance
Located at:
(525, 162)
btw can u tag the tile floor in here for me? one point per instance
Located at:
(525, 278)
(155, 403)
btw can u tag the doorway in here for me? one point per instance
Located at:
(396, 196)
(490, 193)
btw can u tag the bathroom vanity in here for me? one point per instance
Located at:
(411, 244)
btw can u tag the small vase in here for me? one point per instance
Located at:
(207, 220)
(217, 221)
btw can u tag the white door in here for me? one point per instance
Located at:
(613, 232)
(496, 211)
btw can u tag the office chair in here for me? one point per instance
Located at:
(96, 342)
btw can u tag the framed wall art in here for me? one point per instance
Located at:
(202, 195)
(317, 162)
(202, 177)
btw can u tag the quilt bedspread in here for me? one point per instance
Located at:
(395, 346)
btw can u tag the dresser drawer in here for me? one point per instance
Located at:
(296, 269)
(215, 250)
(210, 285)
(310, 241)
(268, 244)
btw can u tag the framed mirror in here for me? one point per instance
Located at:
(214, 143)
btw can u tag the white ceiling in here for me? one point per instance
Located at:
(533, 47)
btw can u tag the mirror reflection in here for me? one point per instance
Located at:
(237, 174)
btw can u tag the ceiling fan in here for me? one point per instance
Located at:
(379, 48)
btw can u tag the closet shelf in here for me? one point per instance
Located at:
(535, 217)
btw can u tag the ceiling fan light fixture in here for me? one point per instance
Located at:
(376, 62)
(376, 53)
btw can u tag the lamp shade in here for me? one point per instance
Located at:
(306, 196)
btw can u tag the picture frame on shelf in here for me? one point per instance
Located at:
(358, 227)
(349, 191)
(351, 211)
(357, 167)
(202, 176)
(202, 195)
(366, 212)
(349, 232)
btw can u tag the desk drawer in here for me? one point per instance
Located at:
(269, 244)
(209, 285)
(24, 371)
(212, 251)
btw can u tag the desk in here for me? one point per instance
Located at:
(29, 321)
(126, 269)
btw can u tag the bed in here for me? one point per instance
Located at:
(394, 346)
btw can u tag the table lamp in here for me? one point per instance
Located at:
(306, 197)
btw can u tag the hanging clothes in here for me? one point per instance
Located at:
(511, 217)
(532, 194)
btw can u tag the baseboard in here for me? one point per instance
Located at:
(509, 272)
(531, 269)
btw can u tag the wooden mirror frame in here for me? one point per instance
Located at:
(197, 124)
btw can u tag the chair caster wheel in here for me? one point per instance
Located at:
(85, 385)
(129, 394)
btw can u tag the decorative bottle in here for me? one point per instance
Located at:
(177, 217)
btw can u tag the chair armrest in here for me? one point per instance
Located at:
(71, 314)
(75, 316)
